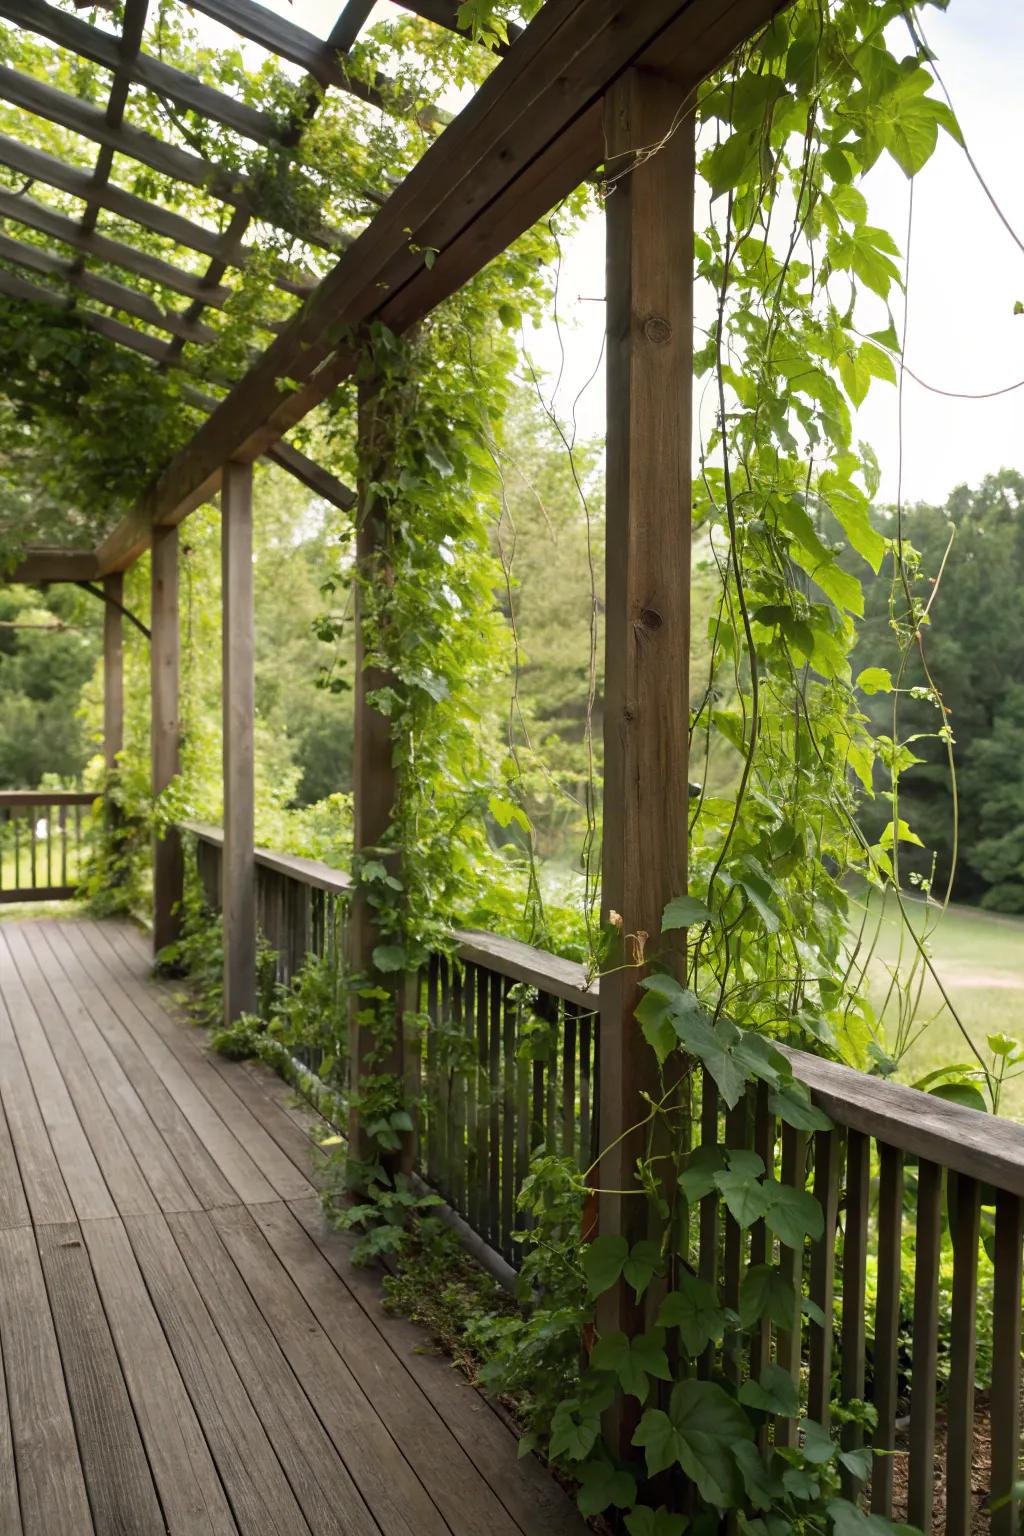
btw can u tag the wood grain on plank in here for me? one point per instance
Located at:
(197, 1166)
(278, 1174)
(50, 1481)
(261, 1498)
(228, 1156)
(525, 1488)
(126, 1187)
(156, 1162)
(190, 1489)
(121, 1492)
(322, 1484)
(45, 1190)
(399, 1503)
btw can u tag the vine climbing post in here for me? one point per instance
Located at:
(165, 730)
(376, 1041)
(113, 670)
(238, 893)
(649, 223)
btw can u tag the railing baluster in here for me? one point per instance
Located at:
(430, 1149)
(707, 1258)
(494, 1020)
(483, 1101)
(457, 1118)
(762, 1244)
(965, 1211)
(887, 1324)
(1006, 1372)
(787, 1347)
(63, 824)
(509, 1126)
(927, 1258)
(569, 1080)
(585, 1089)
(827, 1151)
(737, 1138)
(30, 822)
(853, 1336)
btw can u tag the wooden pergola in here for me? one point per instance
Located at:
(588, 83)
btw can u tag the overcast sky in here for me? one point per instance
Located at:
(965, 275)
(966, 272)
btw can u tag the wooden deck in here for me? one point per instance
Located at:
(184, 1347)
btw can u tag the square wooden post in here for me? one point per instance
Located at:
(165, 729)
(374, 782)
(238, 867)
(649, 222)
(113, 670)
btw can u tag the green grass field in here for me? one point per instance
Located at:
(979, 959)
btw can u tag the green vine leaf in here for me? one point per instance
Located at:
(644, 1521)
(602, 1485)
(765, 1292)
(744, 1195)
(685, 912)
(643, 1264)
(793, 1214)
(792, 1104)
(774, 1392)
(602, 1262)
(634, 1360)
(698, 1432)
(694, 1309)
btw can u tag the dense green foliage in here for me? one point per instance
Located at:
(965, 562)
(486, 671)
(48, 648)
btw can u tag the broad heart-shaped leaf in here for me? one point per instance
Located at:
(766, 1292)
(818, 1446)
(693, 1308)
(762, 1488)
(792, 1103)
(857, 1462)
(633, 1360)
(684, 912)
(645, 1521)
(744, 1195)
(643, 1264)
(773, 1392)
(575, 1427)
(701, 1427)
(654, 1013)
(792, 1214)
(699, 1179)
(601, 1484)
(848, 1520)
(602, 1262)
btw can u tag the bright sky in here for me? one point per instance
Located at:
(965, 275)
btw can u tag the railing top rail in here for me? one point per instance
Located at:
(548, 973)
(985, 1147)
(306, 871)
(13, 798)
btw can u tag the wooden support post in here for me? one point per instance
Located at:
(165, 730)
(374, 784)
(649, 219)
(113, 670)
(238, 868)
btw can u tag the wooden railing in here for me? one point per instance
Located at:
(923, 1205)
(43, 843)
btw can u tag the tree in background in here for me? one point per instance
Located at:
(49, 642)
(967, 560)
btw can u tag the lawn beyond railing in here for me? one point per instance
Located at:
(43, 842)
(923, 1204)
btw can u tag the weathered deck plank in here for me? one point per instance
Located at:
(183, 1347)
